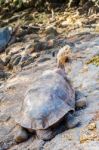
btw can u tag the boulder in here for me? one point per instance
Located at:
(5, 36)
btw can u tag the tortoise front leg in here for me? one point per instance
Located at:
(80, 100)
(71, 121)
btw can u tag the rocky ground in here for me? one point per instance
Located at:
(32, 50)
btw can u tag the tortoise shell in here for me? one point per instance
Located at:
(49, 98)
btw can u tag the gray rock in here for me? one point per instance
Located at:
(15, 59)
(29, 49)
(5, 36)
(3, 75)
(26, 60)
(43, 59)
(39, 46)
(50, 30)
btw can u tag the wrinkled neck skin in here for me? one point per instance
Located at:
(63, 73)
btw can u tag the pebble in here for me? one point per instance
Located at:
(51, 30)
(92, 126)
(35, 55)
(15, 60)
(86, 137)
(29, 49)
(83, 138)
(3, 75)
(64, 24)
(27, 60)
(50, 43)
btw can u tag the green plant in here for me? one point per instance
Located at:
(2, 2)
(18, 3)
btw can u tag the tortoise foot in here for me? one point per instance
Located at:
(21, 135)
(45, 134)
(71, 121)
(81, 103)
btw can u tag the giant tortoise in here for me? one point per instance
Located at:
(49, 101)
